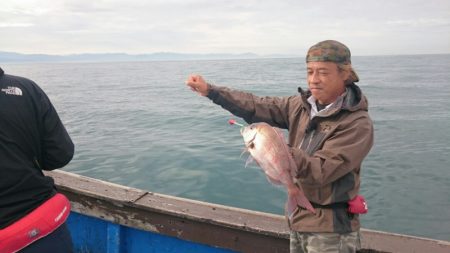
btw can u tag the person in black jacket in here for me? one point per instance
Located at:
(32, 139)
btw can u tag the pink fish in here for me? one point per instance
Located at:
(268, 148)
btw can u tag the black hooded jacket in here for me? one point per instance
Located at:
(32, 139)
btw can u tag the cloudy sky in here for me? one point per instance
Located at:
(368, 27)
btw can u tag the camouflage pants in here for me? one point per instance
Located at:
(324, 242)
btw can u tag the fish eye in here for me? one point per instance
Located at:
(251, 145)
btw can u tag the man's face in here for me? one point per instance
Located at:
(325, 81)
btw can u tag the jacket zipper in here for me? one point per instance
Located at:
(309, 141)
(36, 163)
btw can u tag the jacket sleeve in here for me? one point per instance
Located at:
(56, 145)
(342, 153)
(272, 110)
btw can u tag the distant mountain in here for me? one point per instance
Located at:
(162, 56)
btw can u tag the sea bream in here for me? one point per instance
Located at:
(268, 148)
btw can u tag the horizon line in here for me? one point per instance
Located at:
(218, 53)
(15, 57)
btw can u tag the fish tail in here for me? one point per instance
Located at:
(297, 198)
(291, 206)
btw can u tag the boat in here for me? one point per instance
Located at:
(112, 218)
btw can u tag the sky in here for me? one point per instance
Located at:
(290, 27)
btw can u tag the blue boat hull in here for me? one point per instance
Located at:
(94, 235)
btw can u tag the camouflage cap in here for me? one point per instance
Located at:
(332, 51)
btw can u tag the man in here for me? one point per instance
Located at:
(330, 133)
(32, 139)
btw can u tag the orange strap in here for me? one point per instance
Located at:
(35, 225)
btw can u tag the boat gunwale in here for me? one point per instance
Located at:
(267, 224)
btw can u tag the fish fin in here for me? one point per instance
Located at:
(249, 160)
(244, 151)
(296, 197)
(273, 180)
(290, 208)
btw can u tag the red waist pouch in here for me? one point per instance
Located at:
(357, 205)
(35, 225)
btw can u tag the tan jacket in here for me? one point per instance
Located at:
(328, 149)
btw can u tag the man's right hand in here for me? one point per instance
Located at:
(198, 84)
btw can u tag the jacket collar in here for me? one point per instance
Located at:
(325, 111)
(351, 100)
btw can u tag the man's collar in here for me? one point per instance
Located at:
(337, 103)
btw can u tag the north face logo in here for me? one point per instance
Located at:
(12, 91)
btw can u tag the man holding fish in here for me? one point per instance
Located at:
(330, 133)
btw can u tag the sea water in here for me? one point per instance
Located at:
(137, 124)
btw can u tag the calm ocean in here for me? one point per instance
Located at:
(137, 124)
